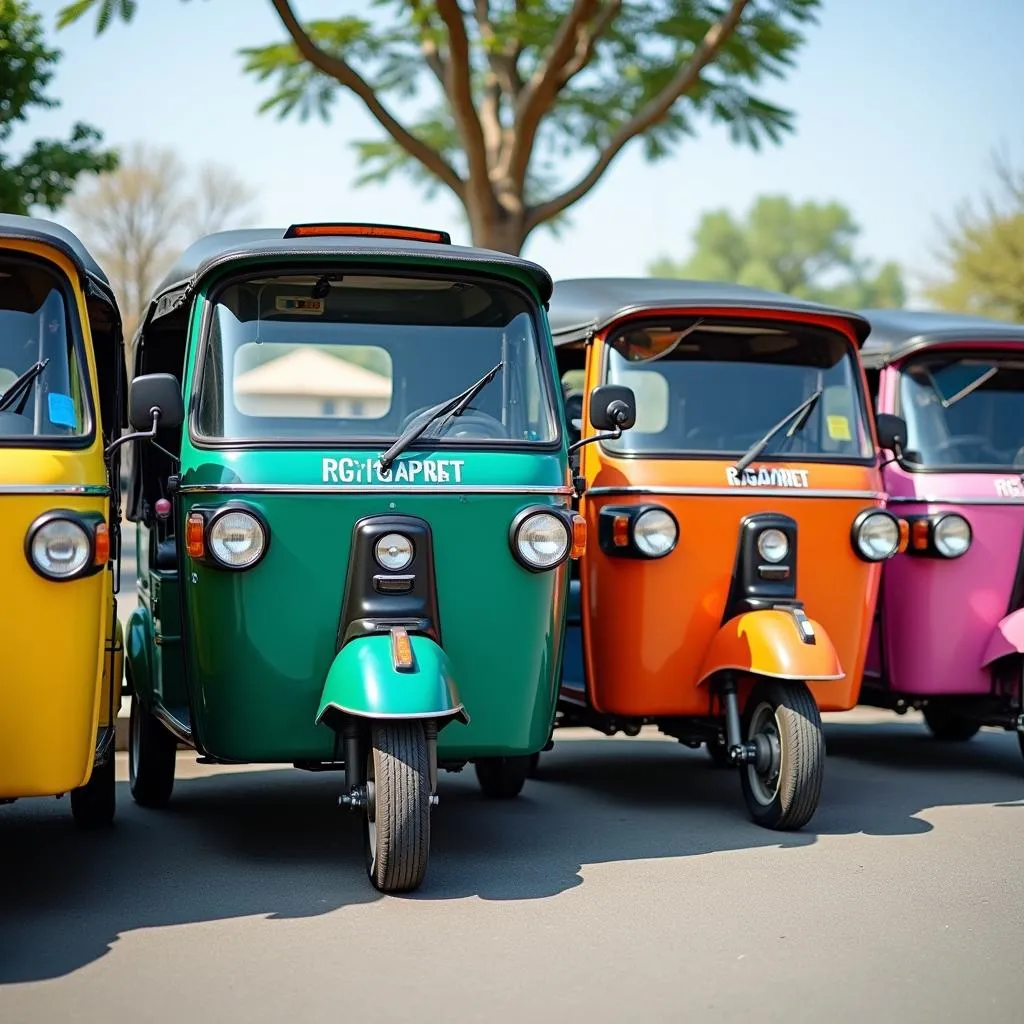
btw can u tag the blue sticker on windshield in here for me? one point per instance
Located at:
(62, 411)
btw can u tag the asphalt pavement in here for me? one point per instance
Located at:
(626, 883)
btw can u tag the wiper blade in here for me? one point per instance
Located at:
(973, 386)
(7, 398)
(800, 415)
(450, 407)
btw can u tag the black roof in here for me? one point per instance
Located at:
(35, 229)
(896, 333)
(223, 247)
(582, 305)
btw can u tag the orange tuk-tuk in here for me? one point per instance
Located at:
(737, 528)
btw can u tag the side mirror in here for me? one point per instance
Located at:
(892, 432)
(612, 407)
(155, 391)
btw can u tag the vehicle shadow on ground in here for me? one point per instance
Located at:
(274, 843)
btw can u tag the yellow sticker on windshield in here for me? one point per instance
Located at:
(839, 428)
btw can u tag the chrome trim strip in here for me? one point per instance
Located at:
(933, 500)
(389, 489)
(84, 490)
(741, 492)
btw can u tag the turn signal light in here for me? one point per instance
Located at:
(919, 535)
(101, 545)
(401, 649)
(195, 527)
(367, 231)
(904, 536)
(620, 531)
(579, 536)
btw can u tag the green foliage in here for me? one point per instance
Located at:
(804, 250)
(983, 254)
(46, 172)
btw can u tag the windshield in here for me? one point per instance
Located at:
(356, 358)
(42, 387)
(964, 412)
(717, 387)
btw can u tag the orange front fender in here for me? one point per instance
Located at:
(768, 643)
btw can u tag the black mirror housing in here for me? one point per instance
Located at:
(892, 432)
(612, 407)
(155, 391)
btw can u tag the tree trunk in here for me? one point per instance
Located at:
(499, 230)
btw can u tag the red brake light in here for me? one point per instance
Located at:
(368, 231)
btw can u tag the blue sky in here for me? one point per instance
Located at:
(899, 105)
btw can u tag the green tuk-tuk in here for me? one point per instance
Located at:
(352, 499)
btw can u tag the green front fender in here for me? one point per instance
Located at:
(363, 681)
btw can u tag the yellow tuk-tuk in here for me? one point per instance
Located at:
(61, 405)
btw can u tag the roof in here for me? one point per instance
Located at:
(310, 371)
(582, 305)
(223, 247)
(896, 333)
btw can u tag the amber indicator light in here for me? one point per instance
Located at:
(195, 527)
(919, 535)
(620, 531)
(101, 545)
(401, 649)
(579, 536)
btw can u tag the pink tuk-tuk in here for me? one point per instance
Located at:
(948, 636)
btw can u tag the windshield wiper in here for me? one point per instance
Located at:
(973, 386)
(450, 407)
(800, 415)
(7, 398)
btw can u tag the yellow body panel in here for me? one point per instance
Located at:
(54, 696)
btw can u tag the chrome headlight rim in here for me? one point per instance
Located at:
(394, 535)
(769, 532)
(522, 519)
(218, 516)
(946, 517)
(858, 527)
(650, 510)
(86, 524)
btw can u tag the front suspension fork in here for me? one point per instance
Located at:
(738, 750)
(355, 740)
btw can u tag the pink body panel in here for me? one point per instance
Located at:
(1007, 639)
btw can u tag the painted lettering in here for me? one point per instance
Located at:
(330, 472)
(1010, 487)
(764, 476)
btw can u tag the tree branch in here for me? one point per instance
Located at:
(431, 55)
(343, 73)
(650, 114)
(586, 41)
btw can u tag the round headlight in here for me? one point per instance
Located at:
(877, 536)
(393, 552)
(60, 549)
(772, 545)
(542, 540)
(951, 535)
(655, 532)
(237, 539)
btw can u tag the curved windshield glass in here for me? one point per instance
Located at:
(356, 358)
(717, 387)
(964, 412)
(42, 385)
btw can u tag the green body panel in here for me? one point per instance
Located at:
(138, 653)
(363, 681)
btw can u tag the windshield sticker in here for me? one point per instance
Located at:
(765, 477)
(838, 428)
(62, 410)
(412, 471)
(299, 304)
(1010, 487)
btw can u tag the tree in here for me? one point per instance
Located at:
(982, 253)
(136, 219)
(47, 170)
(804, 250)
(520, 107)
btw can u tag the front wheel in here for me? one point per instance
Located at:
(152, 752)
(397, 837)
(502, 778)
(946, 725)
(782, 785)
(93, 804)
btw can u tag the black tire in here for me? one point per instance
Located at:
(396, 840)
(502, 778)
(782, 791)
(946, 725)
(719, 754)
(152, 752)
(93, 805)
(531, 771)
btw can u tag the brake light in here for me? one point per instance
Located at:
(367, 231)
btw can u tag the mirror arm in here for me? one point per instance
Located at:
(143, 435)
(609, 435)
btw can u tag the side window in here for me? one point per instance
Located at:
(572, 362)
(873, 376)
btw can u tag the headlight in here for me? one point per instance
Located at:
(876, 535)
(393, 552)
(655, 532)
(60, 549)
(237, 539)
(541, 540)
(772, 545)
(951, 535)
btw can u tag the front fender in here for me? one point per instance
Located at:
(1006, 638)
(363, 681)
(768, 643)
(138, 653)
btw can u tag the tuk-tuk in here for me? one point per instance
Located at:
(737, 529)
(353, 548)
(949, 633)
(61, 406)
